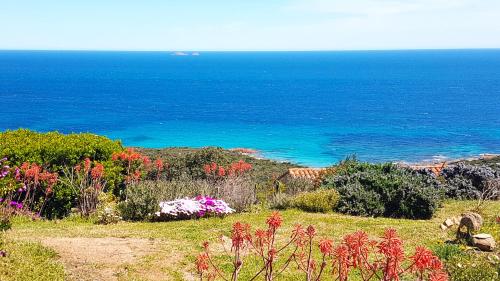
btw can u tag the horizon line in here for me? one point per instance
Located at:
(247, 51)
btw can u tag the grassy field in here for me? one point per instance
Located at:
(72, 249)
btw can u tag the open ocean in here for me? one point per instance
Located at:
(312, 108)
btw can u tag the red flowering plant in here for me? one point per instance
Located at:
(27, 188)
(134, 164)
(137, 166)
(159, 167)
(87, 181)
(369, 259)
(218, 172)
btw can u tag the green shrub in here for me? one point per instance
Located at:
(141, 201)
(384, 190)
(316, 201)
(465, 181)
(60, 203)
(357, 200)
(473, 267)
(54, 149)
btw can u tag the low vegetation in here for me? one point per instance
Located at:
(384, 190)
(85, 179)
(322, 200)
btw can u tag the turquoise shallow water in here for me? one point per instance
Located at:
(313, 108)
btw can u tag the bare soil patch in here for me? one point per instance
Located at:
(99, 258)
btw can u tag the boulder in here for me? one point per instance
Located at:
(470, 223)
(448, 223)
(483, 242)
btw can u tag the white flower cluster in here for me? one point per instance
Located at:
(200, 206)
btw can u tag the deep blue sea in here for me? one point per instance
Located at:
(312, 108)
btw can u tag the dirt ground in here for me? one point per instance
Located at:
(99, 258)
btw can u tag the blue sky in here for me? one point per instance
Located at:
(249, 25)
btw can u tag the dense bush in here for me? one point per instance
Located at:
(53, 149)
(355, 199)
(383, 190)
(464, 181)
(323, 200)
(60, 203)
(142, 201)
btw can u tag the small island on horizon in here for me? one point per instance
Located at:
(185, 54)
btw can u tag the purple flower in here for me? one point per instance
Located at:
(15, 204)
(4, 172)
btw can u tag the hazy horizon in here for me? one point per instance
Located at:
(244, 51)
(223, 25)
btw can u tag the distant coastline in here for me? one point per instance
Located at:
(254, 153)
(443, 160)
